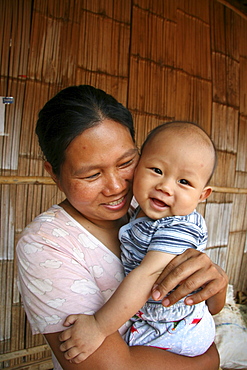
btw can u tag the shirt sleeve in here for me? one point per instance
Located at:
(178, 236)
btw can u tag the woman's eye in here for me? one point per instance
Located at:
(157, 170)
(184, 182)
(126, 164)
(91, 177)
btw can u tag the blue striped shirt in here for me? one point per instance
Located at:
(169, 234)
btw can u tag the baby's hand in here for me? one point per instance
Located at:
(81, 339)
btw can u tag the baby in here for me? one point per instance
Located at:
(176, 164)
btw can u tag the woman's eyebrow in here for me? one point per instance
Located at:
(86, 168)
(129, 152)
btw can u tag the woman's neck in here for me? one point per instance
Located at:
(106, 231)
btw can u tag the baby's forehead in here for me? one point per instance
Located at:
(189, 136)
(178, 128)
(181, 131)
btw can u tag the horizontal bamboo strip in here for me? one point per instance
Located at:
(46, 364)
(39, 180)
(24, 352)
(18, 180)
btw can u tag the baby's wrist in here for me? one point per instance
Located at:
(101, 324)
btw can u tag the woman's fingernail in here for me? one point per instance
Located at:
(166, 302)
(189, 301)
(156, 294)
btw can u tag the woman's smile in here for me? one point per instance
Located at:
(116, 202)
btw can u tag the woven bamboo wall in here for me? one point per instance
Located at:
(165, 60)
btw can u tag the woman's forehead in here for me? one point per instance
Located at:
(106, 142)
(103, 129)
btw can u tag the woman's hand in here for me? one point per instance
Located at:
(192, 270)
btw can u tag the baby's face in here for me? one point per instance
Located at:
(171, 176)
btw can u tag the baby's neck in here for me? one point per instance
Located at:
(141, 213)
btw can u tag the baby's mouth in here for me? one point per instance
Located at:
(159, 202)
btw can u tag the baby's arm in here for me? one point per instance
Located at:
(88, 332)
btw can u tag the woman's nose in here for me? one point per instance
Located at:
(114, 184)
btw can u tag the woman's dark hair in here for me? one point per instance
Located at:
(72, 111)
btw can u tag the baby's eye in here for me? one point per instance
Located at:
(157, 170)
(184, 182)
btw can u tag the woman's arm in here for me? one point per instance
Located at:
(192, 270)
(89, 331)
(217, 301)
(114, 354)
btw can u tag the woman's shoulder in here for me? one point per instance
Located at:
(54, 216)
(49, 227)
(56, 230)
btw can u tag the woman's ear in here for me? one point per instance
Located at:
(205, 193)
(48, 168)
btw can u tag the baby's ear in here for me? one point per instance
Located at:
(205, 193)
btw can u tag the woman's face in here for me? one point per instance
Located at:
(97, 173)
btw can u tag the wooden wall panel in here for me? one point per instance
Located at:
(193, 45)
(154, 37)
(115, 85)
(243, 85)
(117, 10)
(242, 145)
(236, 247)
(104, 45)
(225, 128)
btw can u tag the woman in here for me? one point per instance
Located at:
(68, 257)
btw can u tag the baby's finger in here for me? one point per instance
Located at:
(72, 353)
(70, 320)
(64, 335)
(65, 346)
(81, 357)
